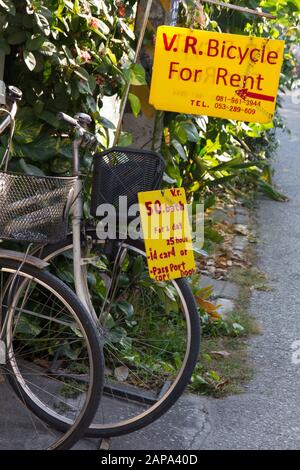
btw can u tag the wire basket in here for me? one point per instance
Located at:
(34, 208)
(124, 172)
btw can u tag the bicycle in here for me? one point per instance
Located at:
(50, 351)
(149, 355)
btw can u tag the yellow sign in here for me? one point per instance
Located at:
(167, 236)
(215, 74)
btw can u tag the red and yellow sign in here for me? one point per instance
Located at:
(167, 236)
(223, 75)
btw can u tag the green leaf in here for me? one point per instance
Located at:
(68, 351)
(126, 308)
(218, 181)
(180, 134)
(40, 150)
(174, 172)
(209, 201)
(107, 123)
(38, 106)
(214, 375)
(92, 83)
(168, 179)
(47, 48)
(126, 29)
(82, 74)
(103, 29)
(27, 327)
(42, 23)
(136, 75)
(31, 169)
(76, 7)
(8, 6)
(27, 129)
(138, 266)
(198, 380)
(212, 235)
(29, 59)
(34, 42)
(17, 37)
(211, 146)
(91, 104)
(271, 192)
(50, 118)
(135, 104)
(225, 165)
(190, 130)
(68, 55)
(125, 139)
(45, 12)
(179, 148)
(84, 87)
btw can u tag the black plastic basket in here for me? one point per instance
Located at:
(34, 208)
(124, 172)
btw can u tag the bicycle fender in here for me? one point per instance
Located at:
(16, 255)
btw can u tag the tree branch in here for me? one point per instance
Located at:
(242, 9)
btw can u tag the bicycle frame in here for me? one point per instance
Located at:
(79, 267)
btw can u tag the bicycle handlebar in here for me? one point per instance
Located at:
(67, 119)
(80, 122)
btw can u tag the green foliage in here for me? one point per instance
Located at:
(65, 56)
(207, 155)
(68, 55)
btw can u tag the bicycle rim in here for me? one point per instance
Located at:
(49, 363)
(150, 362)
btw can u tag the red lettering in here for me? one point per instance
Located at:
(168, 46)
(235, 80)
(211, 47)
(175, 192)
(222, 73)
(186, 74)
(228, 52)
(190, 42)
(272, 55)
(259, 80)
(171, 70)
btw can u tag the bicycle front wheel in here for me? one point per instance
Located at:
(150, 331)
(53, 361)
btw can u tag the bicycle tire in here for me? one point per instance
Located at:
(95, 430)
(79, 427)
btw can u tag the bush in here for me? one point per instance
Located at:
(65, 56)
